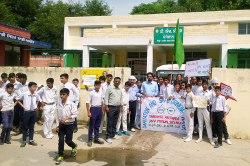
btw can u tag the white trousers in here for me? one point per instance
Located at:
(102, 122)
(122, 119)
(204, 115)
(189, 123)
(49, 115)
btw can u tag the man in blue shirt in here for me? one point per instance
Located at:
(149, 88)
(133, 94)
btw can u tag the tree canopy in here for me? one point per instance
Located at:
(46, 20)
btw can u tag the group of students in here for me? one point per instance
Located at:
(122, 106)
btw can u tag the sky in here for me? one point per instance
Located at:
(120, 7)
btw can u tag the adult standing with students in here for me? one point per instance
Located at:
(113, 104)
(149, 88)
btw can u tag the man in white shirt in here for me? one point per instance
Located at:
(167, 90)
(22, 88)
(74, 94)
(4, 81)
(95, 113)
(75, 82)
(30, 101)
(48, 95)
(66, 115)
(219, 113)
(204, 115)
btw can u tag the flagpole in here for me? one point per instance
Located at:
(172, 70)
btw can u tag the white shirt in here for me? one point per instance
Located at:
(125, 98)
(7, 101)
(69, 109)
(188, 100)
(104, 88)
(79, 90)
(29, 101)
(16, 91)
(207, 94)
(178, 95)
(48, 95)
(95, 98)
(3, 86)
(167, 91)
(219, 104)
(194, 87)
(198, 90)
(74, 94)
(23, 88)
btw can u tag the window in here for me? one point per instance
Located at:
(244, 61)
(137, 55)
(244, 28)
(95, 60)
(82, 30)
(192, 56)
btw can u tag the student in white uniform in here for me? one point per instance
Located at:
(189, 113)
(219, 114)
(204, 115)
(48, 95)
(95, 113)
(75, 81)
(178, 93)
(123, 114)
(168, 90)
(74, 94)
(5, 80)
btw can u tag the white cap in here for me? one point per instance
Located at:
(215, 80)
(132, 78)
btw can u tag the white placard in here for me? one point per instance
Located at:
(198, 68)
(89, 79)
(226, 90)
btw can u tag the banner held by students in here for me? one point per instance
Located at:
(198, 68)
(226, 90)
(163, 115)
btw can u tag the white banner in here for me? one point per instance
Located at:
(198, 68)
(163, 115)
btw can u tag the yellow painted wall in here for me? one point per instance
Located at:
(234, 38)
(170, 55)
(105, 27)
(215, 56)
(74, 31)
(160, 25)
(121, 58)
(239, 116)
(122, 26)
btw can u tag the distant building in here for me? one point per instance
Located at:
(13, 44)
(46, 61)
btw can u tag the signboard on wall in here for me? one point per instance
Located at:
(89, 73)
(166, 34)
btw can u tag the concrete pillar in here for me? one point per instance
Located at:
(25, 56)
(150, 58)
(66, 37)
(223, 53)
(113, 60)
(166, 25)
(85, 56)
(114, 26)
(2, 53)
(164, 59)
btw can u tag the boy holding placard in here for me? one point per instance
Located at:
(189, 113)
(204, 115)
(218, 114)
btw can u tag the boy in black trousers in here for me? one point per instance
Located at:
(218, 114)
(66, 115)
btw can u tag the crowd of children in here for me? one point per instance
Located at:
(21, 99)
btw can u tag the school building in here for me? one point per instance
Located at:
(144, 42)
(14, 42)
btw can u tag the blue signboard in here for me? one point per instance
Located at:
(23, 39)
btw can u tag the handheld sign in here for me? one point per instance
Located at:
(226, 90)
(198, 68)
(200, 102)
(89, 79)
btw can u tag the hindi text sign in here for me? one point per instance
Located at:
(198, 68)
(226, 90)
(200, 101)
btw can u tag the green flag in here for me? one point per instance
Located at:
(178, 47)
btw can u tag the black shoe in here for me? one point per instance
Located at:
(89, 143)
(98, 142)
(75, 130)
(18, 133)
(23, 144)
(32, 143)
(39, 123)
(1, 142)
(7, 142)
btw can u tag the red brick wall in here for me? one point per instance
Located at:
(2, 52)
(25, 56)
(45, 60)
(14, 31)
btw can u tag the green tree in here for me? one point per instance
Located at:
(25, 11)
(96, 8)
(191, 5)
(6, 15)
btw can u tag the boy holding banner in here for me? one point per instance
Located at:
(204, 115)
(189, 113)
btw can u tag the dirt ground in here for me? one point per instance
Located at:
(141, 148)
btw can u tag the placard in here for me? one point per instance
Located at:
(200, 101)
(226, 90)
(198, 68)
(89, 79)
(91, 72)
(163, 115)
